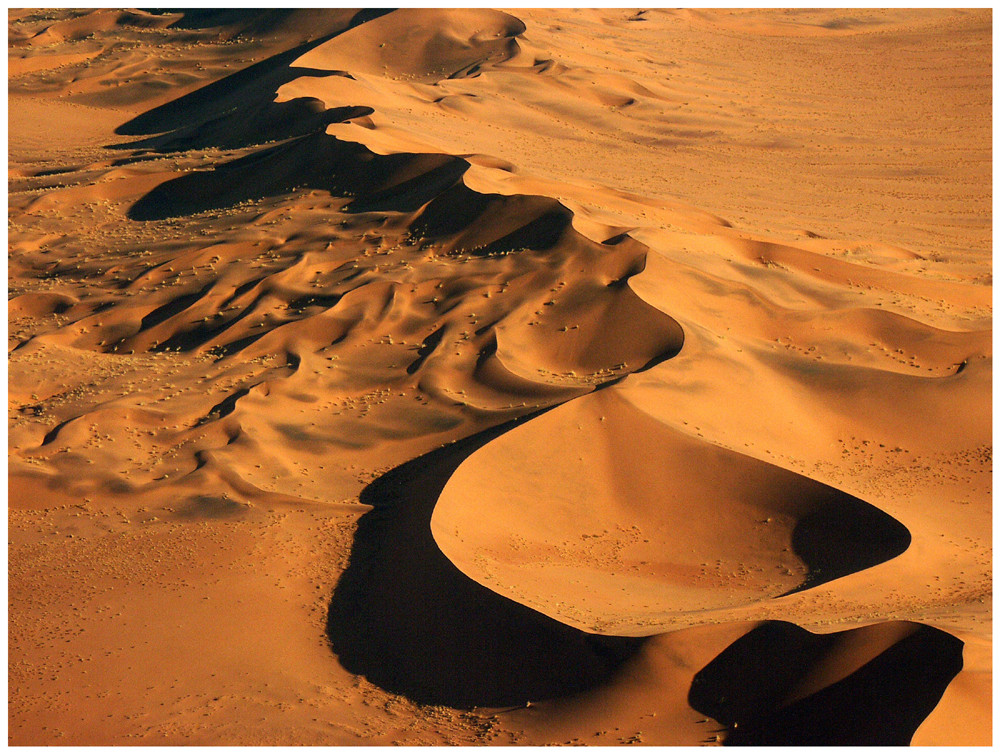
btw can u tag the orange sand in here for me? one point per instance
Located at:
(466, 376)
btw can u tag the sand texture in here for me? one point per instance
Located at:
(500, 377)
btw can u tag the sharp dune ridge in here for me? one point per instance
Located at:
(461, 376)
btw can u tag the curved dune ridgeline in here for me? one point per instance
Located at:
(614, 523)
(459, 376)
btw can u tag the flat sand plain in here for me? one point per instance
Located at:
(480, 377)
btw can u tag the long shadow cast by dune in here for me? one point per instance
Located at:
(316, 161)
(881, 703)
(239, 110)
(408, 620)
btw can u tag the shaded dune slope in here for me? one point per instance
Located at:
(869, 686)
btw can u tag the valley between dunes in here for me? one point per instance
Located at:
(536, 377)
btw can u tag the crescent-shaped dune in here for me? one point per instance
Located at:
(599, 516)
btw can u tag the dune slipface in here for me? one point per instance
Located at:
(462, 376)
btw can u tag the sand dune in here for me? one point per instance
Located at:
(602, 517)
(442, 376)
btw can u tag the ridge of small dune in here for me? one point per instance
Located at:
(443, 218)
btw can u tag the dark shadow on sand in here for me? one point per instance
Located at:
(239, 110)
(844, 537)
(882, 703)
(409, 621)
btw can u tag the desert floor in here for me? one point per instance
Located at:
(474, 377)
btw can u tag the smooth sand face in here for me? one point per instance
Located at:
(467, 376)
